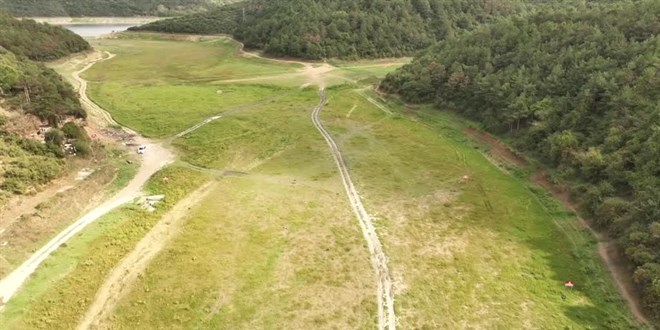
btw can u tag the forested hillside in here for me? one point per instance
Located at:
(578, 90)
(41, 42)
(30, 88)
(76, 8)
(317, 29)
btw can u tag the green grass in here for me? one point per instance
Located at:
(244, 139)
(276, 248)
(62, 289)
(141, 61)
(248, 260)
(491, 252)
(164, 110)
(280, 248)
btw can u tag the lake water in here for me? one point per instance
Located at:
(95, 30)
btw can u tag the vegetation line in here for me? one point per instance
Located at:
(386, 316)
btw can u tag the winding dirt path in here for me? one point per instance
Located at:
(386, 316)
(119, 282)
(82, 91)
(153, 160)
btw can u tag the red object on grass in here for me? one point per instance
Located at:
(569, 284)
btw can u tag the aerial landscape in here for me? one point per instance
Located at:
(335, 164)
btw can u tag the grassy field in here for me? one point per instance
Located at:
(164, 110)
(487, 252)
(276, 245)
(160, 87)
(279, 243)
(280, 259)
(152, 58)
(62, 289)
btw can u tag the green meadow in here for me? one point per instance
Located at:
(492, 251)
(471, 243)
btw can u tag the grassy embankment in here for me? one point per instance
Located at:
(492, 251)
(279, 247)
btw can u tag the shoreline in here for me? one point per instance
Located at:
(137, 20)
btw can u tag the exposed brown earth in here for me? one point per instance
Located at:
(497, 148)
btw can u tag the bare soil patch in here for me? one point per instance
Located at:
(497, 148)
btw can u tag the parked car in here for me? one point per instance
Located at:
(141, 149)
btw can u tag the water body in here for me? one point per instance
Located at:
(95, 30)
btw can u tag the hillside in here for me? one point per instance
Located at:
(40, 42)
(340, 28)
(576, 89)
(28, 89)
(75, 8)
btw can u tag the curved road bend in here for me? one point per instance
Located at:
(152, 161)
(386, 316)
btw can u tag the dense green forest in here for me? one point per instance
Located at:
(29, 87)
(77, 8)
(578, 90)
(318, 29)
(40, 42)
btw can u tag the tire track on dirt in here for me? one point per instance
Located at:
(119, 281)
(386, 316)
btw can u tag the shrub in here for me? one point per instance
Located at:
(73, 131)
(55, 136)
(83, 148)
(13, 185)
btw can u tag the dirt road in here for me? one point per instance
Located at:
(118, 283)
(386, 316)
(153, 160)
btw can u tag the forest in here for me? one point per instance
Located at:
(576, 89)
(105, 8)
(348, 29)
(40, 42)
(28, 87)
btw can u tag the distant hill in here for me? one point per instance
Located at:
(578, 90)
(77, 8)
(340, 28)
